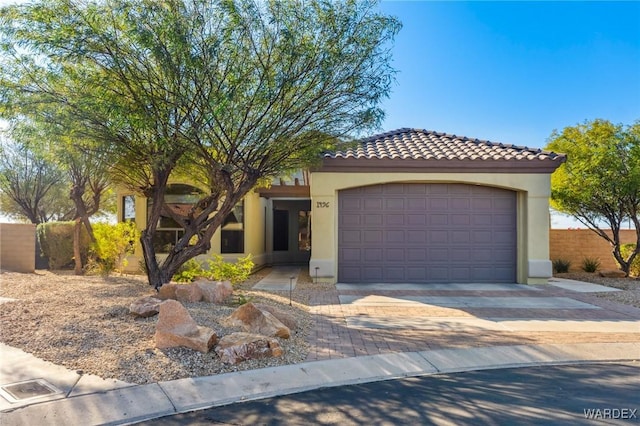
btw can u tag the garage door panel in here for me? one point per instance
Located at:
(350, 236)
(373, 254)
(351, 204)
(394, 255)
(478, 219)
(372, 204)
(392, 236)
(416, 254)
(438, 254)
(460, 203)
(438, 219)
(417, 237)
(372, 274)
(394, 219)
(446, 233)
(414, 204)
(394, 204)
(350, 219)
(438, 204)
(438, 237)
(372, 219)
(394, 274)
(461, 219)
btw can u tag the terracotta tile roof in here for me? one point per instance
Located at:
(419, 144)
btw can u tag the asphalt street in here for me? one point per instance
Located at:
(547, 395)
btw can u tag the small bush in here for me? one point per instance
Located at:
(112, 243)
(590, 264)
(219, 270)
(561, 265)
(216, 269)
(56, 243)
(626, 250)
(189, 271)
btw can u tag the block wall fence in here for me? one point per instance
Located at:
(576, 244)
(17, 247)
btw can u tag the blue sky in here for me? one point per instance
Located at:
(513, 72)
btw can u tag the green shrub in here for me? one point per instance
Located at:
(590, 264)
(189, 271)
(216, 269)
(626, 250)
(56, 243)
(112, 244)
(561, 265)
(219, 270)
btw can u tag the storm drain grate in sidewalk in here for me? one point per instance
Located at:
(29, 389)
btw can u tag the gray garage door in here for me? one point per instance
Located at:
(426, 233)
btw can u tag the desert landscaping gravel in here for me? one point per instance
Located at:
(84, 324)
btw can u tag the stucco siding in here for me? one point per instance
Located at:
(532, 214)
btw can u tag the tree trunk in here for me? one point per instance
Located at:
(77, 256)
(154, 273)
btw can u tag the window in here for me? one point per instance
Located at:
(232, 235)
(180, 198)
(128, 208)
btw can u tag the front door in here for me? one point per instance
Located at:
(291, 240)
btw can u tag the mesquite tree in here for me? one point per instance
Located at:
(230, 91)
(599, 184)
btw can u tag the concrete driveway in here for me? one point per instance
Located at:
(369, 319)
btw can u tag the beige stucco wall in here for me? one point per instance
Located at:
(17, 247)
(533, 190)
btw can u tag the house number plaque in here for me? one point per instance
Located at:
(322, 204)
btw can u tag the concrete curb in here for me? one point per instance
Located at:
(145, 402)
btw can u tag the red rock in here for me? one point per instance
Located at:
(253, 320)
(188, 293)
(168, 291)
(214, 291)
(176, 327)
(612, 273)
(238, 347)
(145, 307)
(284, 317)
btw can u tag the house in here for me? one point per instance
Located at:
(408, 205)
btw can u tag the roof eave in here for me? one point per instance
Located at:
(386, 165)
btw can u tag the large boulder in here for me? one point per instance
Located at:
(176, 327)
(189, 293)
(145, 307)
(283, 316)
(237, 347)
(612, 273)
(253, 320)
(214, 291)
(168, 291)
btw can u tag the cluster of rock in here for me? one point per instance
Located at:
(612, 273)
(175, 327)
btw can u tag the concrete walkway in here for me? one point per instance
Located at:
(428, 330)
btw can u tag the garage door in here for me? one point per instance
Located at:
(426, 233)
